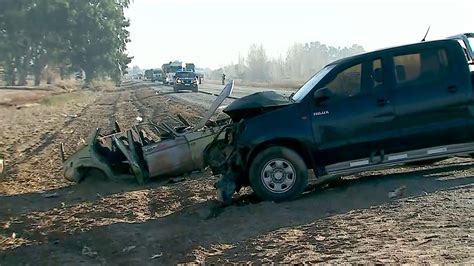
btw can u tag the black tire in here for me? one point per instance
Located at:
(175, 89)
(287, 184)
(196, 89)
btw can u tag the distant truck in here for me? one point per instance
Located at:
(169, 70)
(157, 75)
(148, 74)
(190, 67)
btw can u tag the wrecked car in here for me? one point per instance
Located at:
(378, 109)
(148, 149)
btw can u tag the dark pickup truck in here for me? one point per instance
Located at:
(185, 80)
(378, 109)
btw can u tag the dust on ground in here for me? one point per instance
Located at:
(46, 220)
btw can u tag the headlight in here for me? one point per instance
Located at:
(178, 81)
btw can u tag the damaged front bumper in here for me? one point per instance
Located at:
(224, 156)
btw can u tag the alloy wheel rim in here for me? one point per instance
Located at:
(278, 175)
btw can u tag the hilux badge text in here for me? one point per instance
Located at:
(321, 113)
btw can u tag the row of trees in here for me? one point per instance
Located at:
(301, 61)
(63, 36)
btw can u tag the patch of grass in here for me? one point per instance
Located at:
(68, 84)
(61, 99)
(104, 85)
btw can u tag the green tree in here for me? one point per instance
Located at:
(64, 34)
(98, 37)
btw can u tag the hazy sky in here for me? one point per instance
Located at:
(212, 33)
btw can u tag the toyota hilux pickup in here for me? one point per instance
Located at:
(378, 109)
(185, 80)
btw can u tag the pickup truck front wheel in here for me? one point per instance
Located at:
(278, 174)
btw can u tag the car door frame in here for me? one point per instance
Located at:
(326, 151)
(425, 132)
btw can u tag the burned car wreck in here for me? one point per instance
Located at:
(148, 149)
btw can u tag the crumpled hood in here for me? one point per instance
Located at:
(255, 104)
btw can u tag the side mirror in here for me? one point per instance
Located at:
(322, 95)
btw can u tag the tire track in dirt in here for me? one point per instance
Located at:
(45, 153)
(54, 127)
(139, 105)
(47, 138)
(112, 111)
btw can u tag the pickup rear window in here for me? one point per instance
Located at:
(418, 68)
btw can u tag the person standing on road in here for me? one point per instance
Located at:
(223, 78)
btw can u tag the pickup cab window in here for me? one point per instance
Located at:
(421, 68)
(311, 83)
(348, 82)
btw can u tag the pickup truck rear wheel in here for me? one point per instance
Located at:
(278, 174)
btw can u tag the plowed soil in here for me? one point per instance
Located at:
(45, 219)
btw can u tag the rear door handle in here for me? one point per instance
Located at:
(452, 89)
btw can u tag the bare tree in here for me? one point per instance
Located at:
(258, 63)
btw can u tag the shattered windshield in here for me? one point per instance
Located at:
(309, 85)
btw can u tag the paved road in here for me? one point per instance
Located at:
(204, 99)
(239, 91)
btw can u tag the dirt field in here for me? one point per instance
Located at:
(46, 220)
